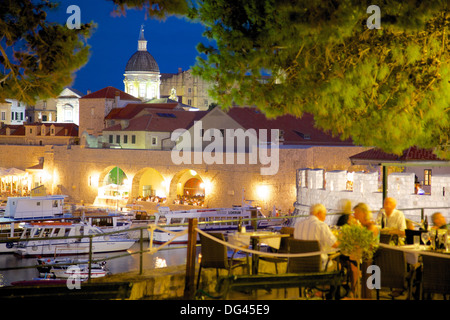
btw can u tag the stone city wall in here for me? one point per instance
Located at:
(332, 187)
(78, 172)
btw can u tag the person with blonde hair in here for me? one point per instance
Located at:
(363, 214)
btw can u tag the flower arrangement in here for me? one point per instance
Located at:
(357, 242)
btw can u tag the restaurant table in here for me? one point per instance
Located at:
(256, 239)
(412, 254)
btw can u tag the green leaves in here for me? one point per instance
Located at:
(39, 58)
(382, 88)
(357, 242)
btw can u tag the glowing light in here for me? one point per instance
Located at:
(193, 172)
(262, 191)
(160, 263)
(207, 186)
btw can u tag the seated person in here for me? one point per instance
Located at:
(314, 228)
(393, 220)
(438, 221)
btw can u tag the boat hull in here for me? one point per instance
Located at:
(37, 248)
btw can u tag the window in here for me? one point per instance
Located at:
(427, 177)
(133, 139)
(142, 87)
(3, 115)
(154, 141)
(44, 117)
(111, 139)
(68, 113)
(125, 139)
(189, 102)
(117, 138)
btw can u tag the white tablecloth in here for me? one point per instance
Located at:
(242, 239)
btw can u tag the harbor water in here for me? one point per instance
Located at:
(171, 256)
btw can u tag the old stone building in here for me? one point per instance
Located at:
(40, 134)
(12, 112)
(94, 107)
(142, 76)
(188, 88)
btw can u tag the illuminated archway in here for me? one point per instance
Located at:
(189, 188)
(113, 188)
(147, 184)
(194, 187)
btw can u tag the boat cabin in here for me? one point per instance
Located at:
(41, 207)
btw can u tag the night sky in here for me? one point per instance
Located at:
(171, 42)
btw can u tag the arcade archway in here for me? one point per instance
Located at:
(189, 188)
(113, 188)
(149, 185)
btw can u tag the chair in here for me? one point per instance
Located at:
(308, 264)
(435, 275)
(284, 248)
(304, 264)
(393, 270)
(214, 255)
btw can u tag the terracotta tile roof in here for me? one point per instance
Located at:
(158, 120)
(133, 109)
(296, 131)
(15, 129)
(410, 154)
(110, 93)
(60, 129)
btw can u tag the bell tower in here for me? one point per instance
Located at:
(142, 76)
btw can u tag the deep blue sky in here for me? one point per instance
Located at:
(171, 42)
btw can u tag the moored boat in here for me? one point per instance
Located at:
(217, 220)
(65, 238)
(69, 267)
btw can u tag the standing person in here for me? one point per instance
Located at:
(394, 220)
(314, 228)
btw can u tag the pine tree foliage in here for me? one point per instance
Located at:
(38, 58)
(386, 87)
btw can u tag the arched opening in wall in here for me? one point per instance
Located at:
(113, 188)
(190, 188)
(149, 185)
(194, 187)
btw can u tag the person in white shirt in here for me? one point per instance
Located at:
(314, 228)
(394, 221)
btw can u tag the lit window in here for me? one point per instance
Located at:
(427, 177)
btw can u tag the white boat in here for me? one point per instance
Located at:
(50, 238)
(19, 209)
(218, 220)
(64, 268)
(38, 207)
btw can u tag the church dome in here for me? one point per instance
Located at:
(142, 61)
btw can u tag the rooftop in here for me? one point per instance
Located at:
(110, 93)
(412, 154)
